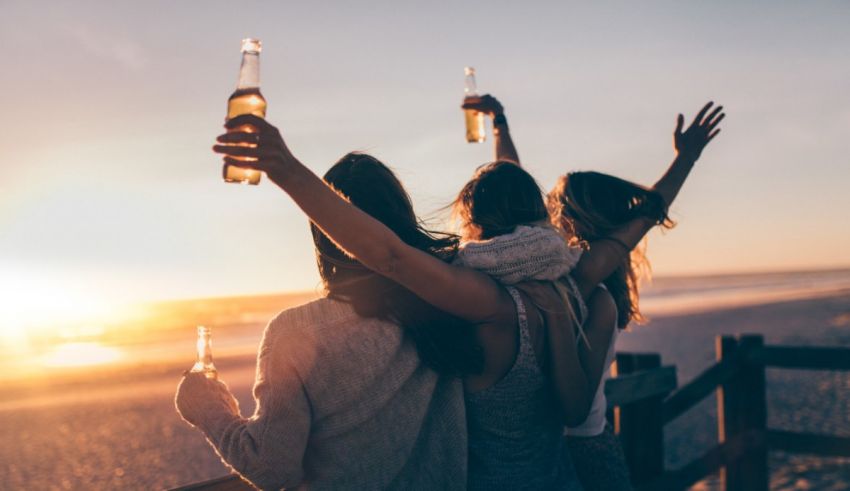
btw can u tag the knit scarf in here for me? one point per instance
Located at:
(528, 253)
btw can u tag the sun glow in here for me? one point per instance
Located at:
(80, 354)
(32, 304)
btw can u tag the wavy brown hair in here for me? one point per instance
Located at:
(594, 205)
(444, 342)
(500, 196)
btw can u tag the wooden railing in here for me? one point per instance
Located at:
(744, 439)
(643, 397)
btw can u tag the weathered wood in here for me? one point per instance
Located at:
(626, 389)
(699, 388)
(793, 442)
(639, 424)
(689, 474)
(224, 483)
(803, 357)
(742, 406)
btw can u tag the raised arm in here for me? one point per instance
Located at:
(605, 255)
(463, 292)
(490, 106)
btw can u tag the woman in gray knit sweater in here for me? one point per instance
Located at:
(356, 390)
(515, 419)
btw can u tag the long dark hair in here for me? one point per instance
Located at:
(500, 196)
(594, 205)
(444, 342)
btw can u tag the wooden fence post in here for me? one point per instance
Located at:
(742, 413)
(640, 424)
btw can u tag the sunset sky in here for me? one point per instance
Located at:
(110, 192)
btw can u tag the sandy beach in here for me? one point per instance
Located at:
(119, 430)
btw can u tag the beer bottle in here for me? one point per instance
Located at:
(246, 99)
(474, 119)
(205, 362)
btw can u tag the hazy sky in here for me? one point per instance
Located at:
(110, 192)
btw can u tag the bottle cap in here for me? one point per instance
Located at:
(251, 45)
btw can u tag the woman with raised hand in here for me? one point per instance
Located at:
(358, 389)
(593, 208)
(514, 417)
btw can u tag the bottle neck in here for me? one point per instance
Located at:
(470, 88)
(249, 73)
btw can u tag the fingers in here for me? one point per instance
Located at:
(485, 103)
(239, 137)
(238, 151)
(471, 102)
(248, 119)
(712, 135)
(712, 115)
(701, 113)
(680, 124)
(712, 124)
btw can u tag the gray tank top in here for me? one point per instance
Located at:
(515, 431)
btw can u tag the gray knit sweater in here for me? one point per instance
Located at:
(344, 403)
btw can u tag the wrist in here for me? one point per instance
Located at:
(500, 123)
(686, 157)
(285, 172)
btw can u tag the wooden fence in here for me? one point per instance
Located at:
(643, 397)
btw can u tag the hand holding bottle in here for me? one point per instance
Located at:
(200, 398)
(262, 150)
(486, 104)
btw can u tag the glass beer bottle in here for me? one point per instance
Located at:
(205, 362)
(474, 119)
(246, 99)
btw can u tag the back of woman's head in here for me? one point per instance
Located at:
(500, 196)
(600, 204)
(444, 342)
(591, 206)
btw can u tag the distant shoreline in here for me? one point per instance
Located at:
(243, 355)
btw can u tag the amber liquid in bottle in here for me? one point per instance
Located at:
(246, 99)
(474, 126)
(474, 119)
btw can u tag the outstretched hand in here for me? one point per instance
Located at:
(486, 104)
(253, 143)
(690, 142)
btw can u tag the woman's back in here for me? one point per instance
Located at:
(514, 426)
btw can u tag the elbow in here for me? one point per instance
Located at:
(277, 479)
(265, 466)
(268, 476)
(386, 258)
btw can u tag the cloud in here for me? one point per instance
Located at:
(112, 48)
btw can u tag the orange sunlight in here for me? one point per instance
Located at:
(80, 354)
(44, 306)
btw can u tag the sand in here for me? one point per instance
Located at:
(122, 432)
